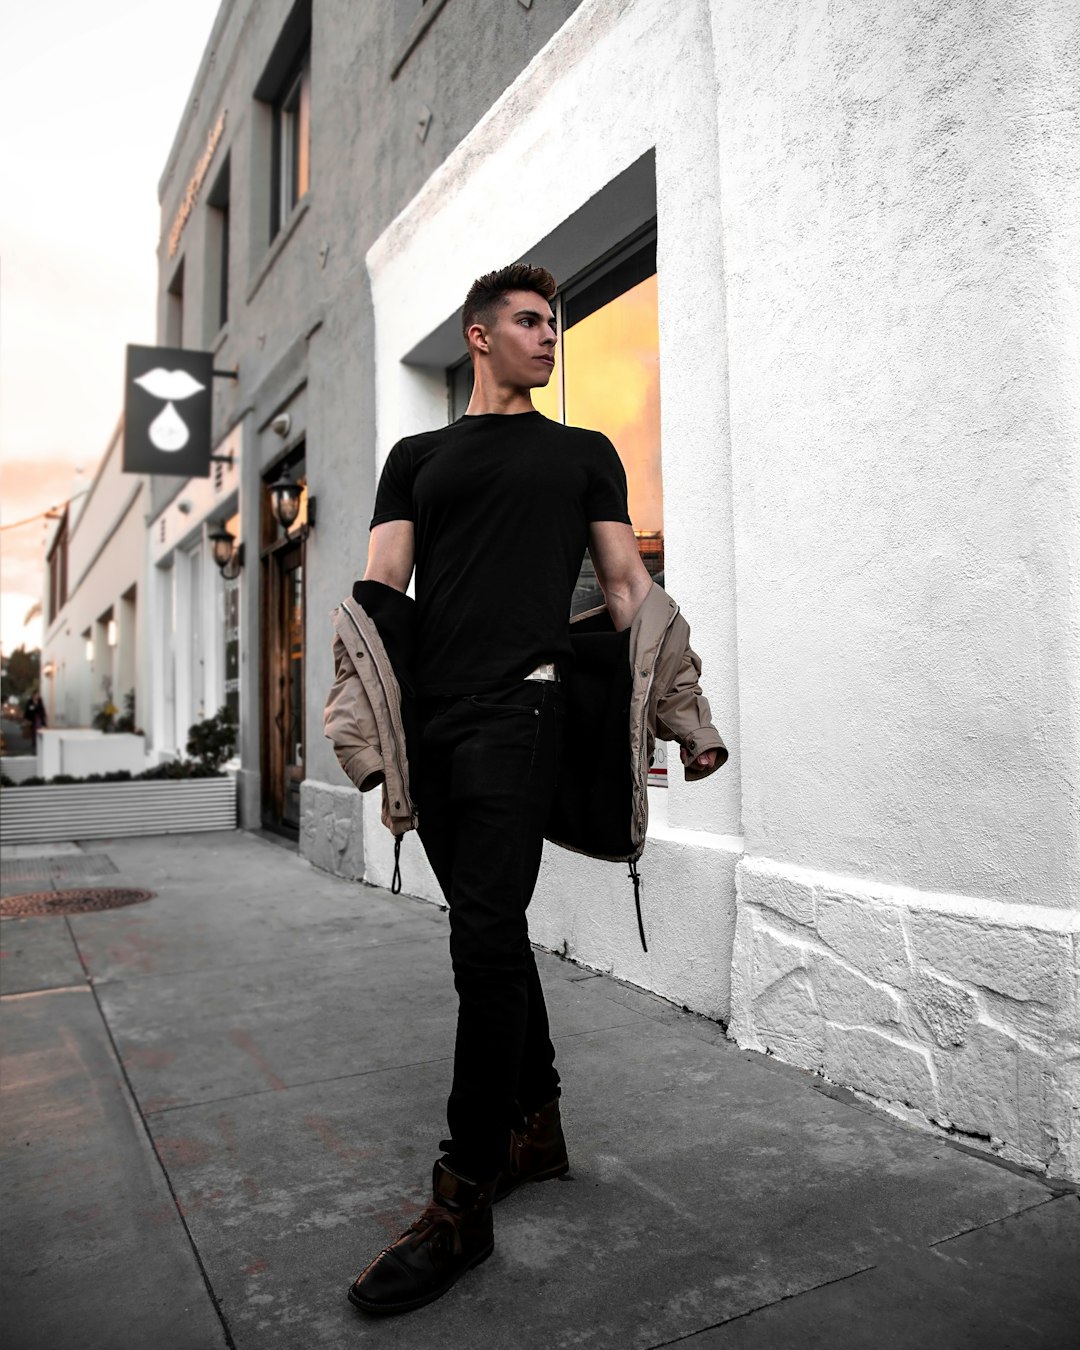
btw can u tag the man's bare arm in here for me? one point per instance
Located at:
(391, 548)
(625, 584)
(619, 570)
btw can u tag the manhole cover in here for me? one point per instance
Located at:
(83, 901)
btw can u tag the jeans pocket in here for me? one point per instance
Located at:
(512, 699)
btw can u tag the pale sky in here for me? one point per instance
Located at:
(90, 99)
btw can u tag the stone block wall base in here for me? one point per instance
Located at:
(959, 1012)
(332, 829)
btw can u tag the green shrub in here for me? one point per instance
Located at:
(126, 720)
(213, 740)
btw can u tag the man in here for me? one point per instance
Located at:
(495, 512)
(34, 713)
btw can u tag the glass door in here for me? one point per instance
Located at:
(283, 687)
(291, 679)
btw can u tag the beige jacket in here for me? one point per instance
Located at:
(667, 702)
(363, 710)
(363, 716)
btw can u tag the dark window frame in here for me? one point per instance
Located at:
(606, 278)
(219, 201)
(58, 571)
(174, 317)
(614, 273)
(293, 108)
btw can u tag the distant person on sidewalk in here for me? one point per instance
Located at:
(495, 511)
(34, 714)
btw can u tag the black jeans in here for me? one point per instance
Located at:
(487, 770)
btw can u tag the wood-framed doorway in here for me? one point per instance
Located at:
(283, 687)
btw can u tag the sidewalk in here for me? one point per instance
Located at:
(217, 1105)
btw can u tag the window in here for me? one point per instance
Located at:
(58, 572)
(607, 378)
(231, 614)
(281, 151)
(217, 263)
(292, 143)
(174, 309)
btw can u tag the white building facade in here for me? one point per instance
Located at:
(93, 648)
(867, 426)
(851, 232)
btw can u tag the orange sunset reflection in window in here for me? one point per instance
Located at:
(612, 384)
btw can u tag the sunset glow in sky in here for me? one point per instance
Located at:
(89, 103)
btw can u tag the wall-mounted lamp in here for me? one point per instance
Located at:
(110, 633)
(228, 554)
(285, 498)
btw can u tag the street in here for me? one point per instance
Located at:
(218, 1104)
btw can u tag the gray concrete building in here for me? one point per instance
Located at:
(305, 136)
(815, 267)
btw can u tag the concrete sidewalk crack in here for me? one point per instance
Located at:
(304, 1083)
(211, 1294)
(139, 976)
(1002, 1218)
(738, 1317)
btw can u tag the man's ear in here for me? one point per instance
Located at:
(477, 336)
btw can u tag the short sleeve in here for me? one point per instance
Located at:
(394, 496)
(606, 498)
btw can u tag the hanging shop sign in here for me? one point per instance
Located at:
(167, 411)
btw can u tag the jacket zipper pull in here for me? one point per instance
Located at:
(635, 877)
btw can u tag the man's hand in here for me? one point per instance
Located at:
(706, 760)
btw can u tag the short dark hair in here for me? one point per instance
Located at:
(487, 293)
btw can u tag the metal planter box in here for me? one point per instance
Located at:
(59, 812)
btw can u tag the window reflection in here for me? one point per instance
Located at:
(607, 378)
(612, 361)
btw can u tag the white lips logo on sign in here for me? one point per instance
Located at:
(169, 431)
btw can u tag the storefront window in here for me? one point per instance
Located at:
(607, 378)
(232, 633)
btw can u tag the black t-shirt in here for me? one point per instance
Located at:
(501, 505)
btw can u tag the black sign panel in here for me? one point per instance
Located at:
(167, 400)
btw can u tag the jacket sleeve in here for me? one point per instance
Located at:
(348, 721)
(683, 714)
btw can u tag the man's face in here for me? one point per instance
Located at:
(521, 342)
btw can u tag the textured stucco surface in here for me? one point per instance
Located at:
(964, 1013)
(900, 233)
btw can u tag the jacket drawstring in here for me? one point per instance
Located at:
(395, 884)
(635, 877)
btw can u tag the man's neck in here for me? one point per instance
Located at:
(498, 399)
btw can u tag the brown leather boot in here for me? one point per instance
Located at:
(537, 1150)
(453, 1234)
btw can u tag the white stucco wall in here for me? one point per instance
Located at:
(637, 77)
(900, 231)
(869, 346)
